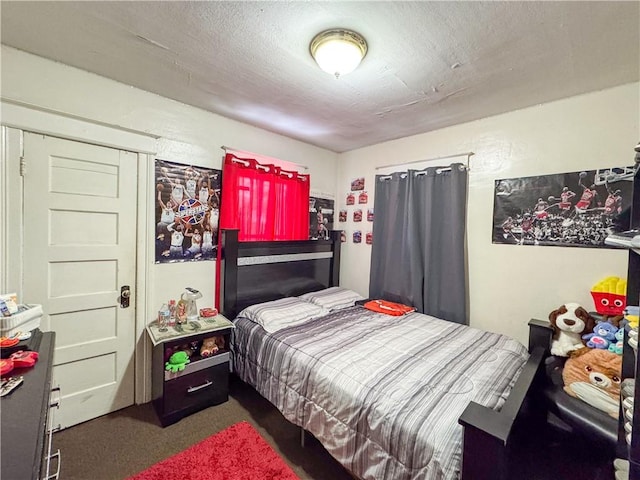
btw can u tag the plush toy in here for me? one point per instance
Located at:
(212, 345)
(632, 316)
(603, 334)
(220, 341)
(209, 347)
(609, 296)
(593, 376)
(568, 322)
(177, 361)
(618, 346)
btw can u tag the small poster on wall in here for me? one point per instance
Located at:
(343, 236)
(351, 199)
(370, 215)
(357, 184)
(187, 200)
(369, 238)
(363, 198)
(357, 215)
(320, 218)
(357, 236)
(568, 209)
(342, 216)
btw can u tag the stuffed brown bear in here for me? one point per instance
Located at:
(593, 375)
(209, 347)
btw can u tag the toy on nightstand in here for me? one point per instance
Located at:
(181, 312)
(208, 312)
(209, 347)
(177, 362)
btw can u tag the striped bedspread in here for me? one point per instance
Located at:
(383, 394)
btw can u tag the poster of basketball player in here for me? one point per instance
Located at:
(187, 209)
(320, 218)
(568, 209)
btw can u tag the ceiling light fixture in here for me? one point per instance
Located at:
(338, 51)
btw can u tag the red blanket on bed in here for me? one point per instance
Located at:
(389, 308)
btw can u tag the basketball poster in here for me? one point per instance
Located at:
(567, 209)
(320, 218)
(187, 201)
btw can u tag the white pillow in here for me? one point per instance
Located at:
(333, 298)
(282, 313)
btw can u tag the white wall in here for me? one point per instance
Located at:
(185, 135)
(510, 284)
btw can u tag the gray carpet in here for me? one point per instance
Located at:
(126, 442)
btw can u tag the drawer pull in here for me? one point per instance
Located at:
(206, 384)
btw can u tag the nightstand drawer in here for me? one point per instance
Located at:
(202, 364)
(204, 387)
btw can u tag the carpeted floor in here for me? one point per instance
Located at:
(126, 442)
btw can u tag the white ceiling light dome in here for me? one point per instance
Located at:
(338, 51)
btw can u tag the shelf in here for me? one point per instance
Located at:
(198, 365)
(627, 239)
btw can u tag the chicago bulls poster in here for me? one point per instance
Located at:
(567, 209)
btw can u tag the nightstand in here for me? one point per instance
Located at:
(203, 382)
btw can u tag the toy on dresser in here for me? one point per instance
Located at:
(568, 322)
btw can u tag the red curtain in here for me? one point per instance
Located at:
(264, 202)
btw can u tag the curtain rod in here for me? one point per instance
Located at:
(467, 154)
(225, 148)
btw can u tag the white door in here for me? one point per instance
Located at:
(79, 250)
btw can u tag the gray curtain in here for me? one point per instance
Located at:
(418, 252)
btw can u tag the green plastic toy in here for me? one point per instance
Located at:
(177, 362)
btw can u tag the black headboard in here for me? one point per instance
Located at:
(255, 272)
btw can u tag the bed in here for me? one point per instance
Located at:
(411, 397)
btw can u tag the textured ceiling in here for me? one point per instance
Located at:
(429, 64)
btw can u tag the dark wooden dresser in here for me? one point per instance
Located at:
(25, 417)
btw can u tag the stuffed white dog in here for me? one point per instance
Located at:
(568, 322)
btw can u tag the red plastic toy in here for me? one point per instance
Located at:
(24, 359)
(6, 342)
(208, 312)
(6, 365)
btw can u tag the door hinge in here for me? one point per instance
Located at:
(23, 166)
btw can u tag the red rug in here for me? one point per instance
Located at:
(236, 453)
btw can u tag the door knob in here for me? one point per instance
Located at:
(125, 294)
